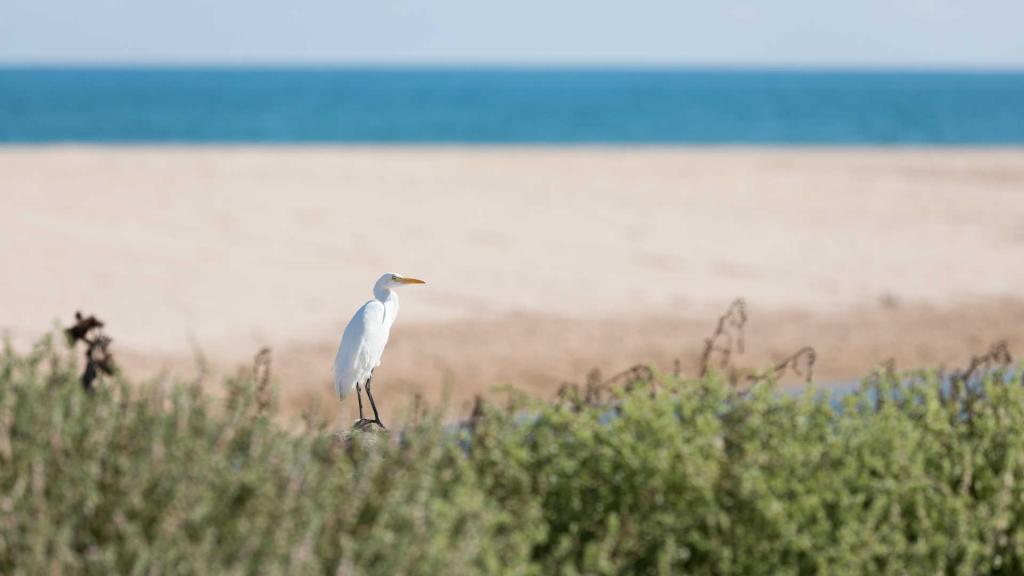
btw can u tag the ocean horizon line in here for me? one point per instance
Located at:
(526, 67)
(484, 147)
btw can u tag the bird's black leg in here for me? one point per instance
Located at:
(376, 417)
(359, 395)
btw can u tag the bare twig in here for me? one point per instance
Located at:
(261, 375)
(998, 357)
(630, 376)
(726, 341)
(598, 390)
(800, 363)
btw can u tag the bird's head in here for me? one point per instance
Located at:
(391, 281)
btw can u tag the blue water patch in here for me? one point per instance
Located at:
(507, 106)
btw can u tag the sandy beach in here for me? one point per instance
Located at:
(542, 263)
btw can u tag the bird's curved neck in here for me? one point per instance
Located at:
(383, 293)
(390, 300)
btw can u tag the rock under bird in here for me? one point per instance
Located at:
(362, 344)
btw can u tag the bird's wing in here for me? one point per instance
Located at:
(361, 347)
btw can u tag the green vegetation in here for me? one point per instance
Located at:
(681, 477)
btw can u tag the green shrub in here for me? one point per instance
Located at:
(688, 478)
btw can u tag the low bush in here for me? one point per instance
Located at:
(913, 474)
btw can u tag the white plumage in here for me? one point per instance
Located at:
(365, 337)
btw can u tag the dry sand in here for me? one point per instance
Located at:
(541, 262)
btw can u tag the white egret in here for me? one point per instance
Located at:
(362, 344)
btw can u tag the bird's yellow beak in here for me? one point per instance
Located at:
(404, 280)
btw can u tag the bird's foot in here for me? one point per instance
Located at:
(367, 425)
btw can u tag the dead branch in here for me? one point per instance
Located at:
(98, 357)
(998, 357)
(800, 363)
(726, 341)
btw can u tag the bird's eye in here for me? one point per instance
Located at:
(394, 278)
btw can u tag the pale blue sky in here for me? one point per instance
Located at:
(903, 33)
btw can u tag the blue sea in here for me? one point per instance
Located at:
(510, 106)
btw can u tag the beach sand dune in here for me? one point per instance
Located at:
(542, 262)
